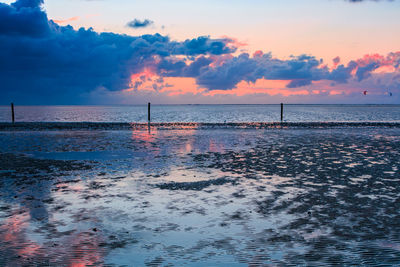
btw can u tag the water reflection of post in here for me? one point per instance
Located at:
(148, 116)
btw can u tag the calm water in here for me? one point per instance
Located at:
(203, 113)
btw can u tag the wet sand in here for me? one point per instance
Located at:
(225, 196)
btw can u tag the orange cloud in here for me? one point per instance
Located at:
(174, 86)
(233, 42)
(144, 81)
(335, 92)
(148, 80)
(261, 86)
(66, 20)
(181, 86)
(385, 69)
(258, 53)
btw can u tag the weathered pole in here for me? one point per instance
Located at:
(12, 113)
(281, 112)
(148, 112)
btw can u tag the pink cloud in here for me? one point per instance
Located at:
(66, 20)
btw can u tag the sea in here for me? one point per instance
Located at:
(204, 113)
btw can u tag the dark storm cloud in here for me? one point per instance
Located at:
(23, 18)
(43, 62)
(300, 71)
(27, 3)
(40, 59)
(139, 23)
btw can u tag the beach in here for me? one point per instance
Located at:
(200, 196)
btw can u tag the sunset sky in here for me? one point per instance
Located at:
(224, 51)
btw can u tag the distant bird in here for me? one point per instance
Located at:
(390, 94)
(365, 92)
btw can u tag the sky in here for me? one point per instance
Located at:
(184, 51)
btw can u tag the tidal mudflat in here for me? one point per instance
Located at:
(200, 197)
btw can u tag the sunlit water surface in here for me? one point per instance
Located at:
(203, 113)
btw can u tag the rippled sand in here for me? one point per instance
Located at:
(200, 197)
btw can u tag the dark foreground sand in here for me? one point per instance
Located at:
(216, 197)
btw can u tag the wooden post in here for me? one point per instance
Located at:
(281, 112)
(148, 111)
(12, 113)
